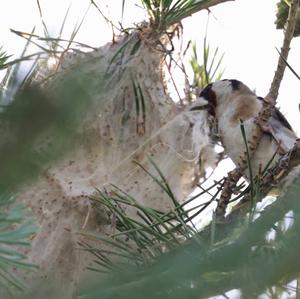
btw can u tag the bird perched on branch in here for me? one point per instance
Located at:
(232, 102)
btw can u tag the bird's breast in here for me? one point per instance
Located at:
(230, 131)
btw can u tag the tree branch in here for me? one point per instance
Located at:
(288, 35)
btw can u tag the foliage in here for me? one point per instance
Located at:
(209, 69)
(35, 129)
(30, 123)
(165, 13)
(151, 233)
(282, 15)
(237, 258)
(14, 231)
(163, 255)
(3, 59)
(148, 252)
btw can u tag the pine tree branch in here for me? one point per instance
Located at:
(264, 115)
(288, 35)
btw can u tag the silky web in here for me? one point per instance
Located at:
(175, 140)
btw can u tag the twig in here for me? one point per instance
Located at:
(275, 174)
(264, 115)
(288, 35)
(205, 5)
(230, 182)
(282, 167)
(105, 18)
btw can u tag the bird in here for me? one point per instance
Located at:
(231, 102)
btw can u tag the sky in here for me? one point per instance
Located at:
(243, 29)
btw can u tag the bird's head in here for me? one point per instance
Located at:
(218, 93)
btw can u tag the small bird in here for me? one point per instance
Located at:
(230, 102)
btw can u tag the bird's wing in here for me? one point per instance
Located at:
(282, 131)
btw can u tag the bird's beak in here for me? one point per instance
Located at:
(200, 104)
